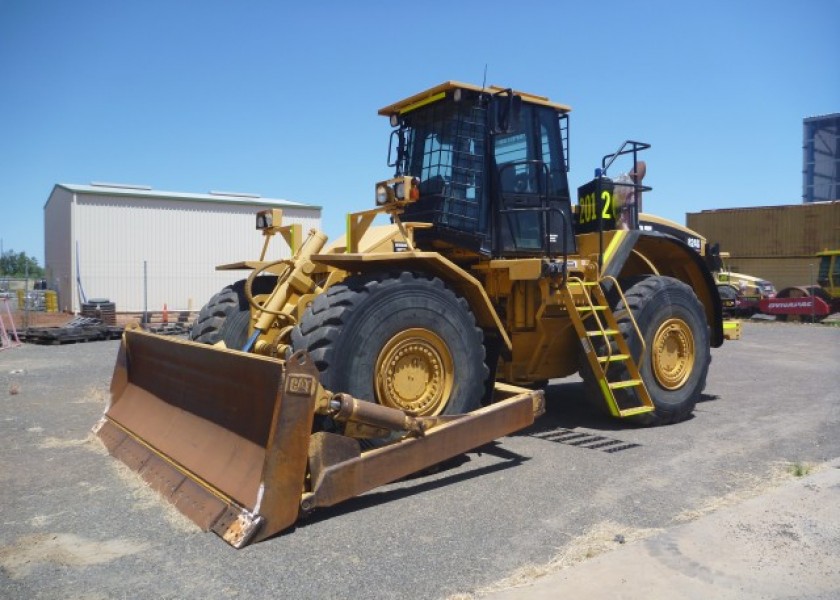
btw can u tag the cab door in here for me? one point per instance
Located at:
(531, 194)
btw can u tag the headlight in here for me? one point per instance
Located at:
(264, 220)
(399, 190)
(382, 195)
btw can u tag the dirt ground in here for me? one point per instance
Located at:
(77, 524)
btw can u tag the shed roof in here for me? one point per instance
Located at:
(138, 191)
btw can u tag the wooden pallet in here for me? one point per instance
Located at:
(185, 317)
(86, 329)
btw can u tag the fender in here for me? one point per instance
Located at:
(428, 262)
(649, 252)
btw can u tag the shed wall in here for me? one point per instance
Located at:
(58, 246)
(179, 242)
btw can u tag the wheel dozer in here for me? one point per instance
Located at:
(346, 365)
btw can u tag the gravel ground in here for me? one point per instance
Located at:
(75, 524)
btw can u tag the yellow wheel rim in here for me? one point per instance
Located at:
(415, 373)
(673, 354)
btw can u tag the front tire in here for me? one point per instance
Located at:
(227, 314)
(403, 340)
(673, 325)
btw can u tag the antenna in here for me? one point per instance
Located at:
(484, 81)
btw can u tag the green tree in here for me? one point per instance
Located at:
(16, 264)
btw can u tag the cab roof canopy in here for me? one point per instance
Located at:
(438, 92)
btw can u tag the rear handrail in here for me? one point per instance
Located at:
(606, 162)
(635, 148)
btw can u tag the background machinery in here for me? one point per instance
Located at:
(486, 277)
(809, 302)
(746, 295)
(740, 294)
(748, 290)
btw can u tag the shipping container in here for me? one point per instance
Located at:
(781, 272)
(788, 231)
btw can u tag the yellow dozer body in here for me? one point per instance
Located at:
(351, 364)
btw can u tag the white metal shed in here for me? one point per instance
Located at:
(142, 248)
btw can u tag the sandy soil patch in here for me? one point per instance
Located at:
(64, 549)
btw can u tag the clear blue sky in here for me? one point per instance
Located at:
(280, 99)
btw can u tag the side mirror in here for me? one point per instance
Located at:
(505, 112)
(396, 152)
(713, 259)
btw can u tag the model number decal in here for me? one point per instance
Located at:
(589, 208)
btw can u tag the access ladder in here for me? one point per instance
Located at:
(605, 347)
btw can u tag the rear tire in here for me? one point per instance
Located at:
(673, 324)
(404, 340)
(226, 315)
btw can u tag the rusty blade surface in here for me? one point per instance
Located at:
(209, 429)
(207, 409)
(196, 502)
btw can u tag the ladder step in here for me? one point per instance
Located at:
(584, 283)
(600, 332)
(590, 308)
(613, 358)
(625, 384)
(636, 410)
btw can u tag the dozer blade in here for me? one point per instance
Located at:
(227, 437)
(221, 434)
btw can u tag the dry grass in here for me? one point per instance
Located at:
(95, 445)
(608, 535)
(63, 549)
(799, 469)
(749, 486)
(146, 498)
(95, 395)
(603, 537)
(52, 442)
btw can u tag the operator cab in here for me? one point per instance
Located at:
(492, 169)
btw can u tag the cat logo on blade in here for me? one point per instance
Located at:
(298, 384)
